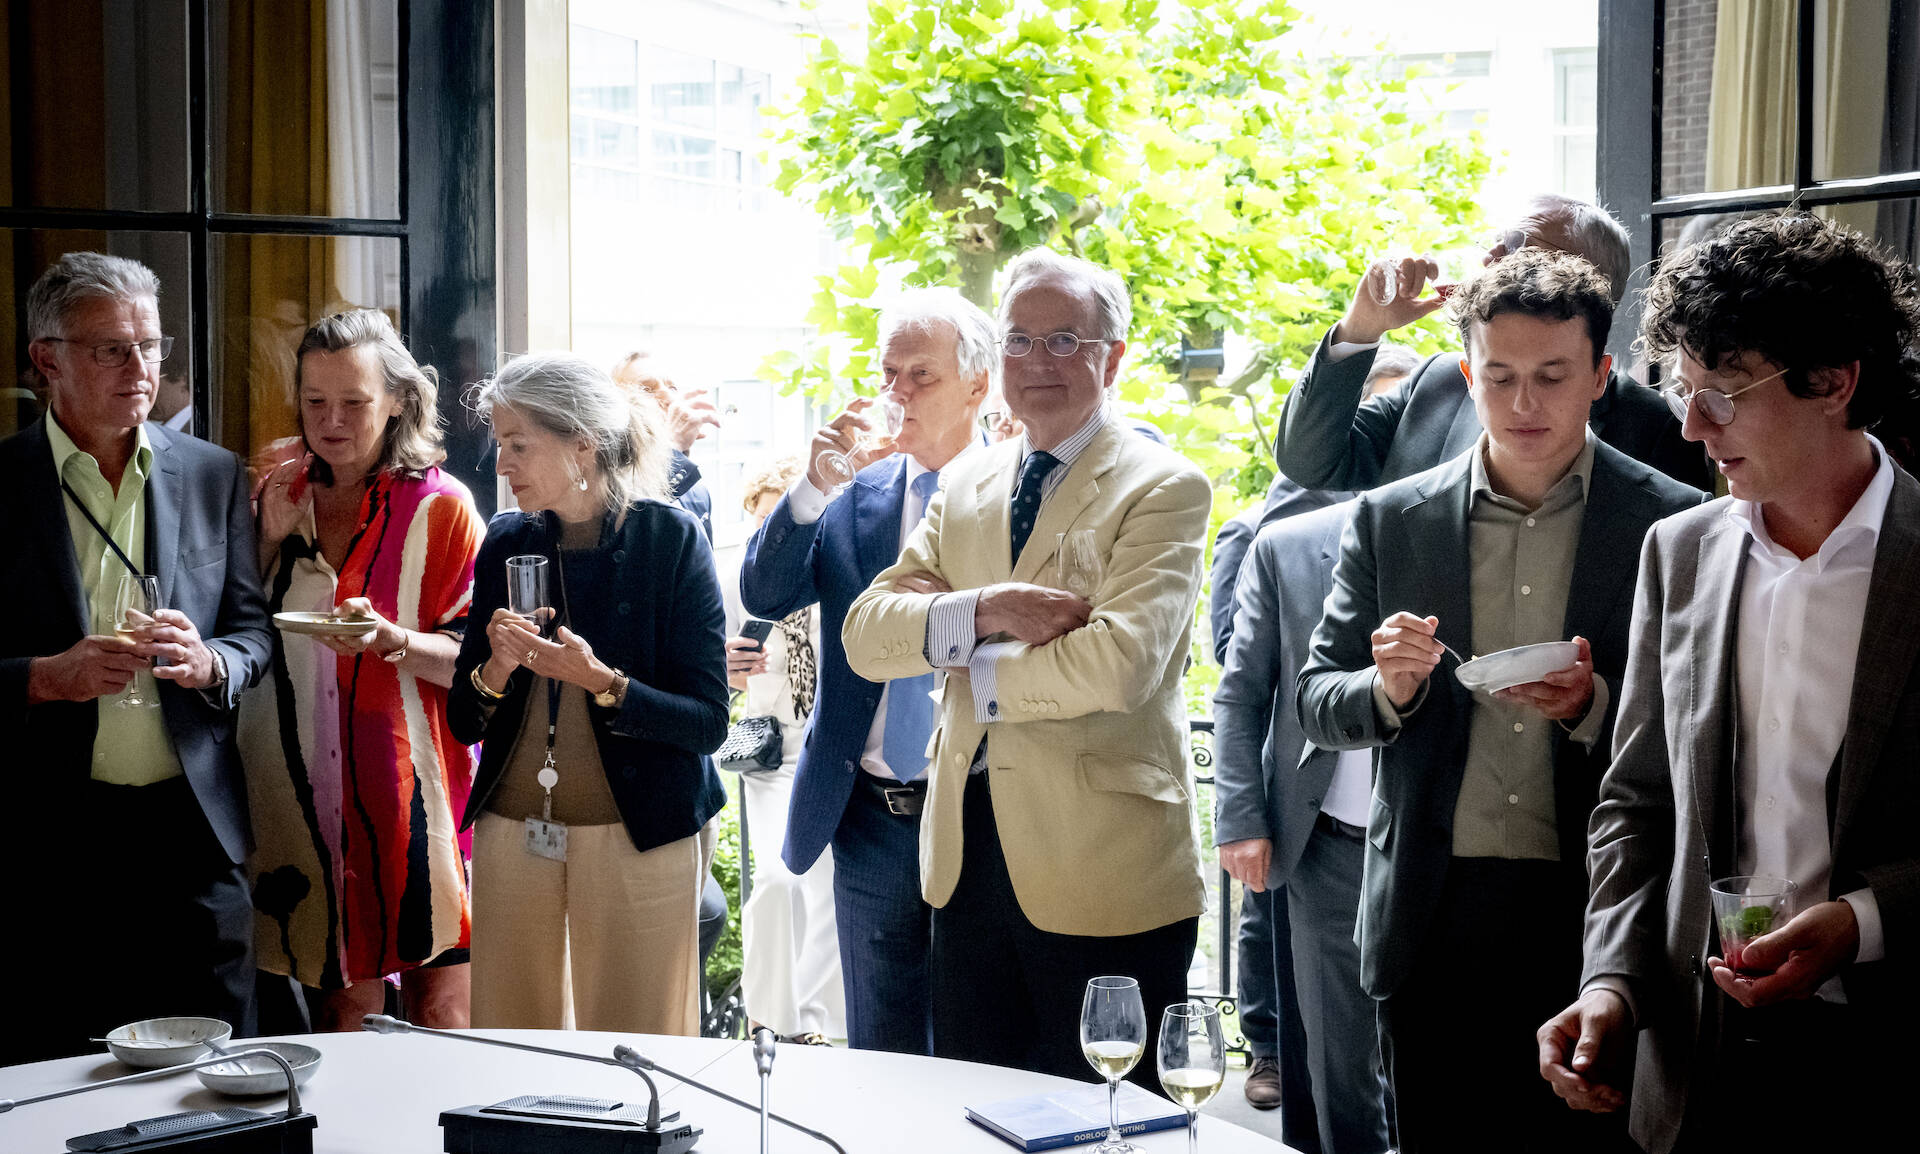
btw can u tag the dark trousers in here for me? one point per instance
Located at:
(1502, 956)
(145, 918)
(885, 926)
(1343, 1044)
(1802, 1076)
(1270, 1010)
(1008, 994)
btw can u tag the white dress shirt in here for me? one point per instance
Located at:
(1799, 639)
(1350, 793)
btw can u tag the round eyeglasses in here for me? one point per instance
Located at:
(1714, 404)
(113, 354)
(1061, 344)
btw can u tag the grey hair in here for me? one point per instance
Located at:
(83, 276)
(923, 310)
(1391, 360)
(574, 399)
(1113, 307)
(1591, 232)
(413, 439)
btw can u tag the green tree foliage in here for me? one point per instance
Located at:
(1235, 181)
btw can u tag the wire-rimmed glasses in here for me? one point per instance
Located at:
(1715, 405)
(113, 354)
(1060, 344)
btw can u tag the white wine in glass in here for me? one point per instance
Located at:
(1113, 1035)
(1193, 1060)
(837, 467)
(133, 609)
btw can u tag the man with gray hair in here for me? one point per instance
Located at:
(1330, 438)
(861, 781)
(1059, 833)
(130, 814)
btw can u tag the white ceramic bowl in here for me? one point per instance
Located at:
(257, 1076)
(1518, 666)
(160, 1042)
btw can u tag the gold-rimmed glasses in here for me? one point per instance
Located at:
(1715, 405)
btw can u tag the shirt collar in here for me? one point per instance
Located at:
(1579, 475)
(1861, 524)
(1069, 450)
(64, 450)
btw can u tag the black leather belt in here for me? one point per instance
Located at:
(902, 799)
(1328, 823)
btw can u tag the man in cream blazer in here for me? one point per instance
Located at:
(1058, 841)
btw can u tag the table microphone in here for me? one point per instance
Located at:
(763, 1061)
(233, 1131)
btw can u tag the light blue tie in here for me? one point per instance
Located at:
(909, 709)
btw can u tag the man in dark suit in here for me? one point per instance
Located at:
(1473, 882)
(1329, 439)
(1769, 718)
(128, 824)
(861, 782)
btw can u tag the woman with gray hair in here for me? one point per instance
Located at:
(353, 774)
(592, 797)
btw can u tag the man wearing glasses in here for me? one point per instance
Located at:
(1330, 438)
(128, 822)
(1770, 715)
(1058, 842)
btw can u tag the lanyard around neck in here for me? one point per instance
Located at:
(99, 528)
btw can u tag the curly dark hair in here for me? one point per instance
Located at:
(1805, 293)
(1537, 282)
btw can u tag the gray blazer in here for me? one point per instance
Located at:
(201, 544)
(1406, 549)
(1664, 824)
(1330, 439)
(1268, 781)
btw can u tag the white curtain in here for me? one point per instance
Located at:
(366, 272)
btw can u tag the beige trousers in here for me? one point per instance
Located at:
(606, 940)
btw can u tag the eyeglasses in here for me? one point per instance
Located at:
(1061, 344)
(113, 354)
(1715, 405)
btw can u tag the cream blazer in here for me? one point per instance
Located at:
(1088, 751)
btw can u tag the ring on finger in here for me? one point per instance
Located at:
(528, 659)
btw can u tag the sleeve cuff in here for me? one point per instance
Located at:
(1338, 351)
(950, 633)
(1619, 986)
(1866, 915)
(1588, 731)
(216, 691)
(806, 504)
(985, 682)
(1390, 716)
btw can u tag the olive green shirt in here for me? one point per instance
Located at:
(132, 746)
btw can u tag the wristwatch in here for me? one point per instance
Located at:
(615, 691)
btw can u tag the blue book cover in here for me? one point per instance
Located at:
(1071, 1117)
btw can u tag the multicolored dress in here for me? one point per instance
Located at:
(355, 782)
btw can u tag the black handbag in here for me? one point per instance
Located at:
(752, 746)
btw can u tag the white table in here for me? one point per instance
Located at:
(382, 1094)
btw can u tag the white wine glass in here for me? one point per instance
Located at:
(1193, 1060)
(837, 467)
(1113, 1035)
(133, 609)
(1079, 567)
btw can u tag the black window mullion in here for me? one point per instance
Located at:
(199, 202)
(1803, 98)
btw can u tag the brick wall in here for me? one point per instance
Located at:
(1686, 84)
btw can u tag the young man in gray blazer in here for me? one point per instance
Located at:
(1770, 716)
(1473, 881)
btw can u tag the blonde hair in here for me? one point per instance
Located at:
(413, 439)
(777, 477)
(574, 399)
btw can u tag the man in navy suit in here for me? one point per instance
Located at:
(861, 784)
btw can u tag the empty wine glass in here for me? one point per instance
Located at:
(527, 589)
(1193, 1060)
(133, 609)
(1078, 565)
(837, 467)
(1113, 1035)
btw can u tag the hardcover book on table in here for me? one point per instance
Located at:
(1071, 1117)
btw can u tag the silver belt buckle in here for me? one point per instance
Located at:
(897, 803)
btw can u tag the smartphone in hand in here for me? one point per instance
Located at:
(757, 632)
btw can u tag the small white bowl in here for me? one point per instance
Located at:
(160, 1042)
(1518, 666)
(256, 1076)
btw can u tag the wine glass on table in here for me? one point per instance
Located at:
(1193, 1060)
(134, 606)
(1113, 1035)
(1079, 567)
(837, 467)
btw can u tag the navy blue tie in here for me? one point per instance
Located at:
(909, 710)
(1026, 497)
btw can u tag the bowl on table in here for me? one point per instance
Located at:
(160, 1042)
(252, 1077)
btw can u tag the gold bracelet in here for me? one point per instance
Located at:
(396, 656)
(480, 684)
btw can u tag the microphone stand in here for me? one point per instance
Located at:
(630, 1056)
(763, 1062)
(223, 1132)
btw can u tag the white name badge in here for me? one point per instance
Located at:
(547, 839)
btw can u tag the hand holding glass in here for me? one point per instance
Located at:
(1193, 1060)
(1113, 1035)
(1078, 565)
(133, 610)
(838, 467)
(1745, 908)
(527, 589)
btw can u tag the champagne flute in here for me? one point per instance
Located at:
(837, 467)
(1078, 565)
(133, 609)
(1193, 1060)
(527, 589)
(1113, 1035)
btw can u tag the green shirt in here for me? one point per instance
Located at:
(132, 746)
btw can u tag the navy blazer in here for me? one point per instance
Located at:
(1406, 549)
(831, 561)
(201, 544)
(648, 602)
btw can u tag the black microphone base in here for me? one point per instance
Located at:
(266, 1134)
(473, 1130)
